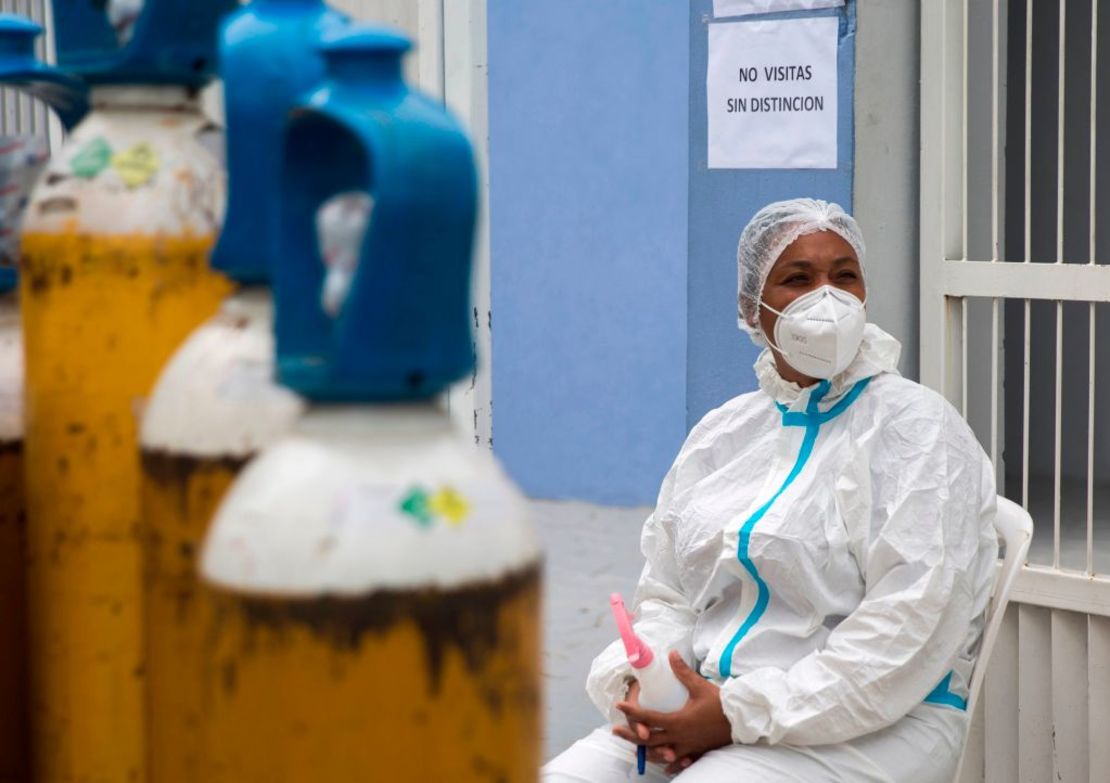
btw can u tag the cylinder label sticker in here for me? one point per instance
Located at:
(424, 508)
(91, 159)
(136, 165)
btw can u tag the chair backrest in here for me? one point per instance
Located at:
(1015, 532)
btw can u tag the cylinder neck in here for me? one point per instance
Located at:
(253, 302)
(356, 422)
(17, 37)
(378, 71)
(134, 96)
(366, 58)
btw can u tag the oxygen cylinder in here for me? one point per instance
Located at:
(21, 159)
(217, 403)
(376, 577)
(115, 276)
(13, 615)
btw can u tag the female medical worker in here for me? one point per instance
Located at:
(821, 552)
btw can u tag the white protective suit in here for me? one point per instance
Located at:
(826, 556)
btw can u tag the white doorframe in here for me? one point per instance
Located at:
(451, 63)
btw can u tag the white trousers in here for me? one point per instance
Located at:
(922, 747)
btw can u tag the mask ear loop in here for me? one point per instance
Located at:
(766, 336)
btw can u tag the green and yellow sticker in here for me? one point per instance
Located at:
(425, 507)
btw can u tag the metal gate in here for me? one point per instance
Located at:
(1015, 277)
(18, 113)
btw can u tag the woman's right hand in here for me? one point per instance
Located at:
(639, 729)
(637, 732)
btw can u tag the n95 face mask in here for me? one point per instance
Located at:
(818, 334)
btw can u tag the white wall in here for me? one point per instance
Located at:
(886, 172)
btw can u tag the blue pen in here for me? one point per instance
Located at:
(641, 758)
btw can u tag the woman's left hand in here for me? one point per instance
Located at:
(697, 728)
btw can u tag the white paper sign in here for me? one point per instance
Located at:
(742, 7)
(771, 90)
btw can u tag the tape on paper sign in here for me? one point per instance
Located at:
(771, 92)
(723, 8)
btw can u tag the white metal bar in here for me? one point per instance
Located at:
(1092, 228)
(1027, 362)
(996, 33)
(954, 153)
(1028, 225)
(1091, 338)
(55, 132)
(1059, 282)
(995, 349)
(1001, 24)
(1000, 699)
(1098, 680)
(963, 355)
(932, 211)
(1074, 591)
(953, 372)
(965, 145)
(1093, 179)
(1034, 695)
(1061, 93)
(1058, 434)
(1069, 696)
(1061, 99)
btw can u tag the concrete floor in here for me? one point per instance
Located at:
(592, 551)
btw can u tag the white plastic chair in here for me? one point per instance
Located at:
(1015, 531)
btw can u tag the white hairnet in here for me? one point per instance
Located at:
(769, 232)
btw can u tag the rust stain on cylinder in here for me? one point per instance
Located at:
(180, 495)
(407, 685)
(465, 619)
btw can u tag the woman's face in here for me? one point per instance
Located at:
(807, 263)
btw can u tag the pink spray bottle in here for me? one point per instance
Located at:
(660, 690)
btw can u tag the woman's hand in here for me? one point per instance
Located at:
(679, 737)
(638, 733)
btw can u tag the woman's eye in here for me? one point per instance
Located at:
(795, 280)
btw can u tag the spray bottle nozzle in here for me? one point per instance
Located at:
(639, 654)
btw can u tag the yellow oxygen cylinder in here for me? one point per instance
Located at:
(216, 404)
(376, 576)
(115, 246)
(13, 614)
(21, 158)
(378, 613)
(213, 407)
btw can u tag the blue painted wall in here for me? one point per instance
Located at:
(613, 246)
(722, 201)
(588, 138)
